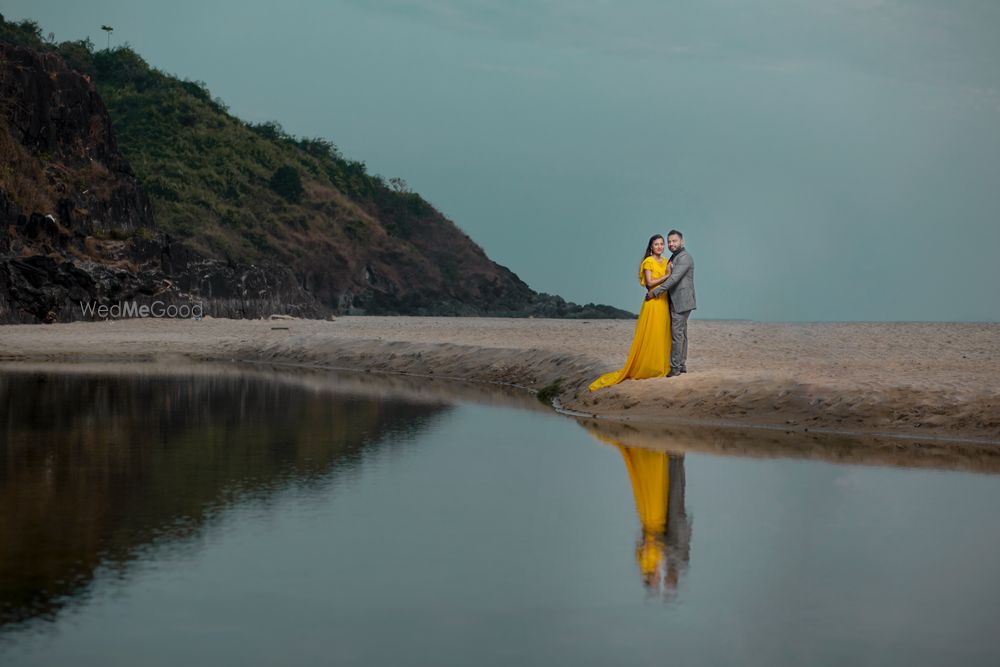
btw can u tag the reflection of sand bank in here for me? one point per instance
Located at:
(905, 379)
(767, 443)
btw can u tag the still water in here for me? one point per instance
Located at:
(243, 518)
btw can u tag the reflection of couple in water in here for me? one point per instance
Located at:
(659, 347)
(663, 550)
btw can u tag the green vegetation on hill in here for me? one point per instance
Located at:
(230, 188)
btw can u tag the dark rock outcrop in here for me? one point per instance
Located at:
(55, 119)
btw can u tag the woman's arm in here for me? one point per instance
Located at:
(650, 282)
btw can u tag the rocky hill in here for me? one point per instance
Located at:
(119, 183)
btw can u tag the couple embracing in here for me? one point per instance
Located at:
(659, 347)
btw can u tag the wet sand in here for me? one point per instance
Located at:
(916, 381)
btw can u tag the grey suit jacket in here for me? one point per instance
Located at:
(680, 284)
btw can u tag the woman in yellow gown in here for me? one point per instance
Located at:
(649, 356)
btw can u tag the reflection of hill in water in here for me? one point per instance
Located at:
(94, 468)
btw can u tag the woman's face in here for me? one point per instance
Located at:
(658, 247)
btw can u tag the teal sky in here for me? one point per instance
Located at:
(826, 159)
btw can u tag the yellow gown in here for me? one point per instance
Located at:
(649, 356)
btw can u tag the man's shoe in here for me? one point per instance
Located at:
(673, 373)
(684, 370)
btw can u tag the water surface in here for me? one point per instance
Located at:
(242, 518)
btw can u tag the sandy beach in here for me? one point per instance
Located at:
(913, 380)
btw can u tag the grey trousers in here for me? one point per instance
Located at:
(679, 340)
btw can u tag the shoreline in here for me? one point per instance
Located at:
(841, 379)
(675, 438)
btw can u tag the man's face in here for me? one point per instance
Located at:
(674, 243)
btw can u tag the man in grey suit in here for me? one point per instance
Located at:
(680, 287)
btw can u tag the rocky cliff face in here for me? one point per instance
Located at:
(76, 227)
(58, 128)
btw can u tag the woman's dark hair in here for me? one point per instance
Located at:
(649, 253)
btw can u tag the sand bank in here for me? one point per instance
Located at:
(912, 380)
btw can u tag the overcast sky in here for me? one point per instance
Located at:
(826, 159)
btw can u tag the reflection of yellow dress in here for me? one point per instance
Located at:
(650, 475)
(649, 356)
